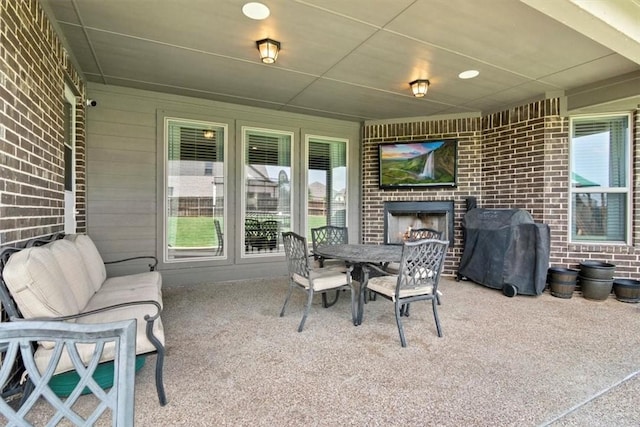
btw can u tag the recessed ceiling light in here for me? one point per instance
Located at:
(469, 74)
(255, 10)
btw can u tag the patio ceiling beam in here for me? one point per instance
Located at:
(614, 24)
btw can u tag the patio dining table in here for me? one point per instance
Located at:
(361, 256)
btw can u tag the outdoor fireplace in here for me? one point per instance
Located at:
(399, 217)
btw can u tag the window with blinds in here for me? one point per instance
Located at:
(194, 194)
(327, 183)
(267, 201)
(600, 179)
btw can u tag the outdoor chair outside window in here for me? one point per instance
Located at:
(303, 276)
(329, 235)
(219, 238)
(417, 279)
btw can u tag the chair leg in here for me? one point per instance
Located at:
(404, 310)
(435, 316)
(286, 300)
(162, 397)
(403, 341)
(354, 315)
(327, 304)
(306, 310)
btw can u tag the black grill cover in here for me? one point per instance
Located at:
(505, 247)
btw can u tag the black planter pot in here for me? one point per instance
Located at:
(627, 290)
(597, 270)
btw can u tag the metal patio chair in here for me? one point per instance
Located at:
(416, 234)
(329, 235)
(417, 279)
(303, 276)
(115, 340)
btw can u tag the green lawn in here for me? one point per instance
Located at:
(192, 231)
(189, 232)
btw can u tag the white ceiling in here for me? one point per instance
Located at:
(353, 59)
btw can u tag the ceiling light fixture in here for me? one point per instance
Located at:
(268, 50)
(469, 74)
(255, 10)
(419, 87)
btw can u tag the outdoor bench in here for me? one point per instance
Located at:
(65, 279)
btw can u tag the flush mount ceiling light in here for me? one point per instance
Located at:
(268, 50)
(419, 88)
(469, 74)
(255, 10)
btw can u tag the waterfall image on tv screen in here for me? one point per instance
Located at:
(415, 164)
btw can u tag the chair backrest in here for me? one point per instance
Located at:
(295, 248)
(424, 233)
(219, 236)
(329, 235)
(421, 264)
(16, 341)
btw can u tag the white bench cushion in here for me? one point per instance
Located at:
(92, 259)
(75, 273)
(38, 284)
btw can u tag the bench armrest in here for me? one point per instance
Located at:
(147, 317)
(152, 266)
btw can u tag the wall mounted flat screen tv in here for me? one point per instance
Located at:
(430, 163)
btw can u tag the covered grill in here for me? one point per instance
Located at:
(505, 249)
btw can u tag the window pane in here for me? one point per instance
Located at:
(267, 196)
(599, 216)
(327, 176)
(599, 152)
(599, 178)
(195, 190)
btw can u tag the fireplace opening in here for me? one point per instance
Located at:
(399, 217)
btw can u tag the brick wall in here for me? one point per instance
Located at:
(33, 69)
(467, 131)
(517, 158)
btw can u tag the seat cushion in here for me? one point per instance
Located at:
(386, 285)
(135, 287)
(143, 345)
(323, 280)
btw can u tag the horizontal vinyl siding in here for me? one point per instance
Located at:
(123, 167)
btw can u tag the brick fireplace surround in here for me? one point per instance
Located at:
(517, 158)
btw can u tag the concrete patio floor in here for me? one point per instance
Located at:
(522, 361)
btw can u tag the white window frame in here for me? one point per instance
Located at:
(243, 185)
(70, 221)
(305, 174)
(165, 187)
(627, 189)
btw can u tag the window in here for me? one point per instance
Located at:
(267, 190)
(327, 182)
(600, 179)
(194, 190)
